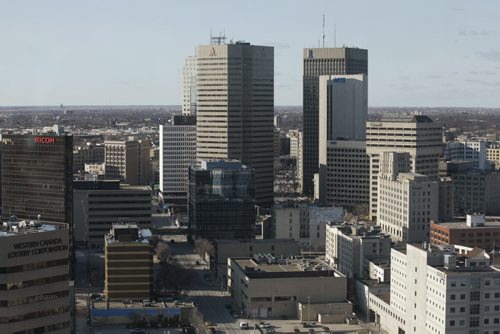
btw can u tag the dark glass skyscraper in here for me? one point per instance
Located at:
(221, 200)
(322, 61)
(37, 177)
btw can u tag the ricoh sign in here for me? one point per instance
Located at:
(45, 140)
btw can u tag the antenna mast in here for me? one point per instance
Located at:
(323, 30)
(335, 35)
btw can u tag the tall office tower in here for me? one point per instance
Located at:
(100, 204)
(440, 290)
(37, 177)
(317, 62)
(128, 258)
(407, 201)
(177, 154)
(128, 161)
(221, 200)
(235, 109)
(343, 111)
(415, 134)
(34, 283)
(189, 89)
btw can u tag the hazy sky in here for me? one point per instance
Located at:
(421, 53)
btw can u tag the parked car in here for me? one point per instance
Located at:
(243, 325)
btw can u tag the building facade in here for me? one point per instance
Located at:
(317, 62)
(128, 257)
(87, 154)
(189, 86)
(475, 151)
(236, 109)
(35, 277)
(177, 154)
(100, 204)
(221, 200)
(128, 161)
(416, 134)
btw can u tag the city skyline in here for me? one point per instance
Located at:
(125, 53)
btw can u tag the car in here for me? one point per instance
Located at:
(235, 315)
(147, 303)
(209, 323)
(97, 297)
(264, 325)
(243, 325)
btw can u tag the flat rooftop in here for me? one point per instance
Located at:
(463, 224)
(20, 227)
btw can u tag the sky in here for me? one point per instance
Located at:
(423, 53)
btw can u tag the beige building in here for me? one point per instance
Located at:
(407, 202)
(128, 161)
(493, 154)
(128, 257)
(34, 278)
(416, 134)
(189, 90)
(267, 287)
(235, 109)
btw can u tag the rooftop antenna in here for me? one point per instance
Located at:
(323, 30)
(335, 35)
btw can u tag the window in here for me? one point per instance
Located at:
(474, 322)
(474, 309)
(474, 296)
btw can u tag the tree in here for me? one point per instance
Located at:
(162, 252)
(203, 246)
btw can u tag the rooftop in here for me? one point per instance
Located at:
(406, 118)
(18, 227)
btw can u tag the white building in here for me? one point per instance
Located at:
(475, 151)
(436, 290)
(189, 86)
(407, 202)
(177, 154)
(304, 223)
(415, 134)
(350, 248)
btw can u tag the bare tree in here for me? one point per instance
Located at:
(162, 252)
(203, 246)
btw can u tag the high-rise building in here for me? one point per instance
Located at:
(317, 62)
(407, 201)
(415, 134)
(177, 154)
(343, 111)
(100, 204)
(470, 150)
(35, 277)
(236, 109)
(128, 256)
(37, 177)
(128, 161)
(221, 200)
(189, 87)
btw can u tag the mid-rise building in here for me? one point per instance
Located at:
(189, 86)
(37, 177)
(318, 62)
(35, 277)
(128, 256)
(351, 247)
(177, 154)
(268, 287)
(221, 200)
(128, 161)
(416, 134)
(446, 205)
(493, 154)
(304, 223)
(473, 231)
(437, 290)
(236, 109)
(295, 138)
(474, 151)
(100, 204)
(407, 202)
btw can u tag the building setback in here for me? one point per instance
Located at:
(236, 109)
(177, 154)
(221, 200)
(317, 62)
(128, 258)
(34, 278)
(100, 204)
